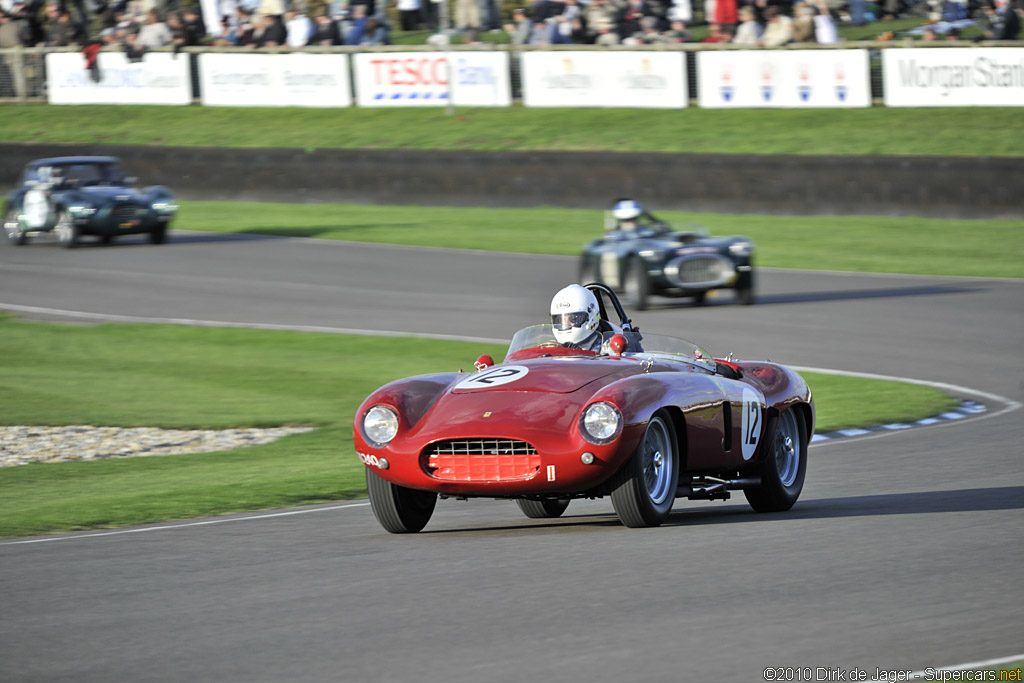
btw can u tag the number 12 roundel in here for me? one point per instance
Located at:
(750, 425)
(493, 377)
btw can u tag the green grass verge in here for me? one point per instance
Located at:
(993, 248)
(929, 131)
(162, 375)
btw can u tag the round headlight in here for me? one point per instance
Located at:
(380, 424)
(601, 423)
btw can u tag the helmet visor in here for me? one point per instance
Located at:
(567, 321)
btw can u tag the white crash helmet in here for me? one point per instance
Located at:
(627, 210)
(574, 314)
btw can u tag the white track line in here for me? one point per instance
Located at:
(205, 522)
(932, 672)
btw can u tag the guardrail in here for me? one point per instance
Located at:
(672, 76)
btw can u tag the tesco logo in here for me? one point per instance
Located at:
(414, 71)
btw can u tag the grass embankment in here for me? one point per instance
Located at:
(966, 131)
(861, 243)
(168, 376)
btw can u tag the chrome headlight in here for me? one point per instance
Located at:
(380, 424)
(601, 423)
(165, 206)
(741, 248)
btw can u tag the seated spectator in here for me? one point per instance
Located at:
(299, 28)
(716, 34)
(195, 28)
(540, 35)
(778, 28)
(520, 27)
(154, 34)
(803, 24)
(273, 32)
(749, 31)
(606, 35)
(357, 25)
(597, 14)
(648, 33)
(1004, 22)
(378, 31)
(677, 32)
(326, 30)
(630, 16)
(133, 50)
(61, 32)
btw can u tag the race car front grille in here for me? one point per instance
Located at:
(482, 460)
(123, 211)
(699, 271)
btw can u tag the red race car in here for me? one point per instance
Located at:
(644, 419)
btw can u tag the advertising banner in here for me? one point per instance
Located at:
(954, 77)
(283, 80)
(420, 79)
(605, 79)
(790, 78)
(160, 78)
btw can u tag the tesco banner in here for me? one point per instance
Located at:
(954, 77)
(283, 80)
(420, 79)
(605, 79)
(160, 78)
(790, 78)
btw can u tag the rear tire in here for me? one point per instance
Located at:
(398, 509)
(645, 488)
(784, 469)
(543, 509)
(13, 229)
(637, 284)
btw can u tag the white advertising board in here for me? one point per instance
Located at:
(420, 79)
(282, 80)
(605, 79)
(789, 78)
(160, 78)
(954, 77)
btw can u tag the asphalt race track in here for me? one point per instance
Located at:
(903, 553)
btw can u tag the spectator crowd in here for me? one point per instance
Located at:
(136, 26)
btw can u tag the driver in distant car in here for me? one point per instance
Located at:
(632, 220)
(576, 319)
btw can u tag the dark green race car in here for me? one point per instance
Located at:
(77, 196)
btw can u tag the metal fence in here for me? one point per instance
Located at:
(23, 70)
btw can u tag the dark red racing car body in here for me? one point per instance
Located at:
(550, 424)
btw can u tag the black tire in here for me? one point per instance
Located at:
(643, 491)
(783, 470)
(13, 229)
(398, 509)
(745, 289)
(67, 231)
(158, 236)
(637, 284)
(106, 239)
(699, 298)
(543, 509)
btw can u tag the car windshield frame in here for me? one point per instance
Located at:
(654, 346)
(106, 173)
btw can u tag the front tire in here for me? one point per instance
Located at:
(637, 284)
(784, 469)
(745, 289)
(158, 236)
(67, 231)
(13, 229)
(398, 509)
(645, 488)
(543, 509)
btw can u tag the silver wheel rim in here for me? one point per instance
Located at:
(632, 285)
(657, 462)
(787, 449)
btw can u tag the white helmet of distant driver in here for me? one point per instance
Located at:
(574, 314)
(627, 210)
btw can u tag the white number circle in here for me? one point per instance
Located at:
(750, 424)
(36, 208)
(494, 377)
